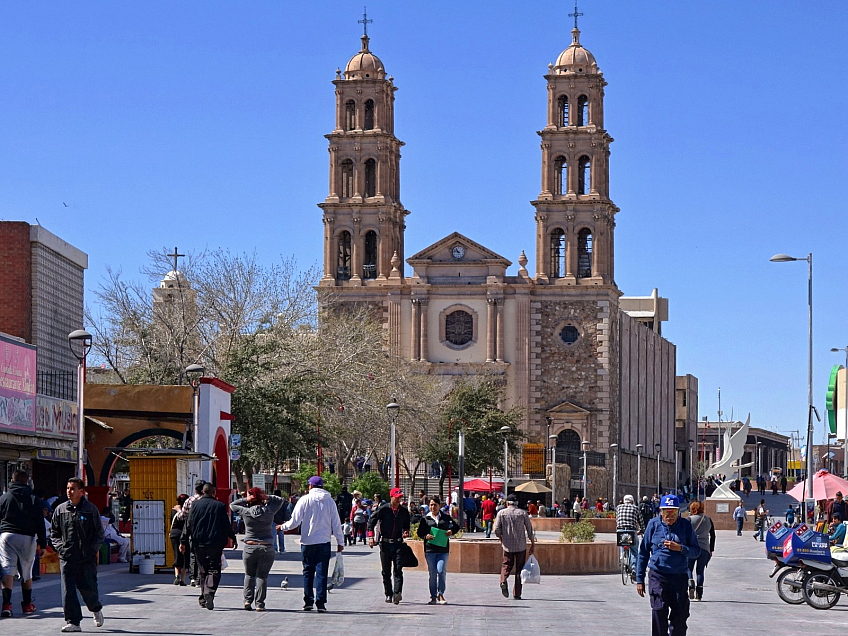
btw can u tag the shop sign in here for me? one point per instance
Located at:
(17, 386)
(57, 455)
(56, 417)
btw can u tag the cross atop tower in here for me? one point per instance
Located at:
(175, 256)
(365, 21)
(575, 15)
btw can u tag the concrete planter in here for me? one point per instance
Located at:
(554, 524)
(484, 556)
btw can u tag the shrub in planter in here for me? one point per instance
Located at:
(580, 532)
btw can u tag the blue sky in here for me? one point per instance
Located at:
(200, 124)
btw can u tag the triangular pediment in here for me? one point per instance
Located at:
(442, 252)
(568, 408)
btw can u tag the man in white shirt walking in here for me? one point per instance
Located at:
(318, 516)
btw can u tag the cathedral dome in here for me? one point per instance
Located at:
(174, 278)
(364, 65)
(575, 59)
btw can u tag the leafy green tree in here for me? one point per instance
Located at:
(473, 406)
(369, 484)
(307, 470)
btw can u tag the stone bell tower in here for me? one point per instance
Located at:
(363, 216)
(574, 214)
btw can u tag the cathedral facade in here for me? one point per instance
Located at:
(580, 367)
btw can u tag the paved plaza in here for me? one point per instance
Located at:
(738, 595)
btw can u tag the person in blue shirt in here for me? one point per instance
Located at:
(837, 533)
(790, 516)
(668, 544)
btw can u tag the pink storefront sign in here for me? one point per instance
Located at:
(17, 386)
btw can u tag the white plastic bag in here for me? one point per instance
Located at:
(337, 577)
(224, 563)
(531, 573)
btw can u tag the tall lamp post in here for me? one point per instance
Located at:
(639, 448)
(553, 440)
(844, 410)
(785, 258)
(194, 372)
(505, 431)
(691, 469)
(614, 451)
(585, 446)
(82, 339)
(657, 446)
(392, 409)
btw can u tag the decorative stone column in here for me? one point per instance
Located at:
(329, 224)
(357, 248)
(423, 330)
(415, 340)
(570, 246)
(491, 317)
(500, 331)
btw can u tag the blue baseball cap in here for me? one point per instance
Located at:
(670, 501)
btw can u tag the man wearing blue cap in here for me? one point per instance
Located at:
(667, 546)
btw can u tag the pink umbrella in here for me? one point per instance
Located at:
(825, 486)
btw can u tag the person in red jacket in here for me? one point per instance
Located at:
(488, 507)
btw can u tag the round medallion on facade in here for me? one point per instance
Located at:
(459, 328)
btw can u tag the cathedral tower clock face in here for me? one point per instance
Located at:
(458, 252)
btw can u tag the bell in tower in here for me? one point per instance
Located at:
(363, 216)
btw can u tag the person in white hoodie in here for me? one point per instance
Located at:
(318, 517)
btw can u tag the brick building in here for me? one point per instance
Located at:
(41, 277)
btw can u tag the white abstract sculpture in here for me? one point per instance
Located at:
(734, 446)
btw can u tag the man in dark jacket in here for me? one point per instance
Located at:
(77, 534)
(208, 527)
(394, 527)
(344, 502)
(21, 521)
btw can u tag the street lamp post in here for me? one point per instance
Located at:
(505, 431)
(84, 339)
(676, 480)
(784, 258)
(552, 439)
(691, 468)
(614, 451)
(585, 481)
(461, 493)
(194, 372)
(639, 448)
(657, 446)
(759, 462)
(845, 410)
(392, 409)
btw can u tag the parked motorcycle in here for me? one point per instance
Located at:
(826, 582)
(790, 580)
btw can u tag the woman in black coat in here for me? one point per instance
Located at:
(436, 555)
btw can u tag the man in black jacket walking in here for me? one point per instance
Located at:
(21, 521)
(77, 534)
(208, 527)
(394, 527)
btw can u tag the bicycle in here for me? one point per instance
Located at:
(626, 539)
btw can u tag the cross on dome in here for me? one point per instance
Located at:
(575, 15)
(175, 256)
(365, 21)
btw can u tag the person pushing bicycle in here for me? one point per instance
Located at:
(628, 518)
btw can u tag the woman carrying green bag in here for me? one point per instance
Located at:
(435, 529)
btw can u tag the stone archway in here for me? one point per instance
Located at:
(109, 463)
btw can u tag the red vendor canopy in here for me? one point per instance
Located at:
(482, 485)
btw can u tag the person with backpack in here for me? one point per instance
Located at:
(646, 510)
(22, 535)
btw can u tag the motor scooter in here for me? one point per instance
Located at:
(826, 582)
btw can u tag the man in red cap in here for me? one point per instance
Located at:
(394, 527)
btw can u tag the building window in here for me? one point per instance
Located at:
(557, 253)
(369, 114)
(683, 395)
(584, 175)
(584, 253)
(347, 178)
(370, 178)
(568, 440)
(569, 334)
(562, 111)
(369, 266)
(560, 175)
(459, 328)
(350, 115)
(582, 111)
(343, 262)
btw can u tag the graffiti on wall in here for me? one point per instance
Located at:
(17, 386)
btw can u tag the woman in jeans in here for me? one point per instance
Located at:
(180, 559)
(257, 510)
(436, 555)
(705, 532)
